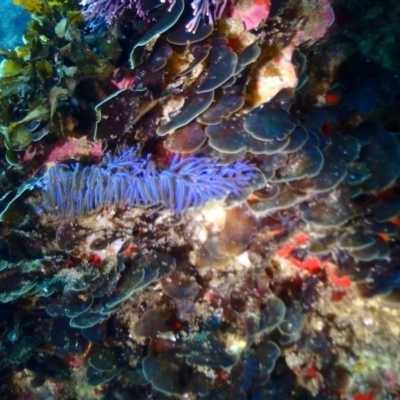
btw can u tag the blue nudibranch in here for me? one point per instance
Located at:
(126, 180)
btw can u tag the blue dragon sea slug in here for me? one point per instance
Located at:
(125, 180)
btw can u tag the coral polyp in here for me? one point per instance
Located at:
(103, 12)
(126, 180)
(100, 14)
(205, 10)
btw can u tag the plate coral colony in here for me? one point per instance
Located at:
(199, 200)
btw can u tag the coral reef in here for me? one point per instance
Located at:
(199, 200)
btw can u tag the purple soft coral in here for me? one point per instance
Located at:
(129, 181)
(205, 9)
(102, 13)
(98, 13)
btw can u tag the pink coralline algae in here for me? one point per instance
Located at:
(327, 16)
(74, 148)
(320, 17)
(251, 14)
(71, 148)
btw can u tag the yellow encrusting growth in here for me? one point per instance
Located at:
(31, 6)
